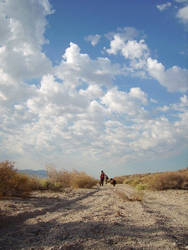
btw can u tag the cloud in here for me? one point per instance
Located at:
(135, 52)
(174, 78)
(94, 39)
(22, 42)
(164, 6)
(182, 14)
(77, 68)
(122, 102)
(140, 64)
(75, 112)
(126, 33)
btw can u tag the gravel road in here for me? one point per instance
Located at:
(99, 218)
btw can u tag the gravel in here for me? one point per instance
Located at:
(95, 218)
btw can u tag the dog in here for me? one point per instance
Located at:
(113, 181)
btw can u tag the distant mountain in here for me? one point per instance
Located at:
(39, 173)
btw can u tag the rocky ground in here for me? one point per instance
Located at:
(99, 218)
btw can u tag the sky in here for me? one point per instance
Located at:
(92, 85)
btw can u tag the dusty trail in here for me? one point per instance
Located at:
(95, 219)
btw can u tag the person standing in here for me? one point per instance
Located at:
(102, 178)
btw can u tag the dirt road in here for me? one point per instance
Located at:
(95, 219)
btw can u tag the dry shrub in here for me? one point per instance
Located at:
(82, 180)
(34, 182)
(159, 181)
(13, 183)
(169, 180)
(135, 179)
(59, 180)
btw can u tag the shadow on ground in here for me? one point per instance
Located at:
(89, 235)
(41, 205)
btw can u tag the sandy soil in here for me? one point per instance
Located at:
(95, 219)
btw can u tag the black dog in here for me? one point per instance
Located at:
(112, 181)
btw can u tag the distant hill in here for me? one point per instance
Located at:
(39, 173)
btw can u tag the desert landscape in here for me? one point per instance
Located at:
(105, 217)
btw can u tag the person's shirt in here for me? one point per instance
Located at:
(102, 175)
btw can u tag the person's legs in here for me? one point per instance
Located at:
(102, 181)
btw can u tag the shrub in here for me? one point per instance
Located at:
(62, 179)
(13, 183)
(168, 180)
(7, 178)
(82, 180)
(159, 181)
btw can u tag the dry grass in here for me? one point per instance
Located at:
(73, 179)
(159, 181)
(169, 180)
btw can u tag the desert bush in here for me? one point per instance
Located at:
(82, 180)
(34, 182)
(22, 185)
(13, 183)
(7, 177)
(159, 181)
(133, 180)
(168, 180)
(62, 179)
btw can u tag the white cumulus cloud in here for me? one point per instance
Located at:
(164, 6)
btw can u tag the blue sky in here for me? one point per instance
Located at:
(93, 85)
